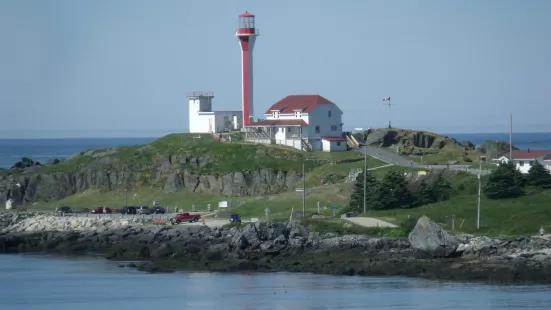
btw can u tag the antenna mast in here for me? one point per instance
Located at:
(387, 102)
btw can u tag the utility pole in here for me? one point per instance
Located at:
(365, 178)
(511, 138)
(303, 177)
(479, 190)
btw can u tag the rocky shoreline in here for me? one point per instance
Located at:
(272, 247)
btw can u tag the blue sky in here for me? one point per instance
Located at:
(123, 68)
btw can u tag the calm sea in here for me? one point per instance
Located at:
(40, 283)
(41, 150)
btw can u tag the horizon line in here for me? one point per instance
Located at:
(162, 135)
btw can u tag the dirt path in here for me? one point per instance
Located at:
(369, 222)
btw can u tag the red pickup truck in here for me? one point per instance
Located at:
(185, 217)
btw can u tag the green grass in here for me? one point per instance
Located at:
(343, 227)
(523, 215)
(217, 157)
(443, 156)
(315, 176)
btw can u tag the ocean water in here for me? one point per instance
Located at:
(35, 282)
(11, 150)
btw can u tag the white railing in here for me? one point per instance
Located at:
(306, 146)
(259, 136)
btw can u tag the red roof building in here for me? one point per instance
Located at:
(528, 154)
(303, 103)
(303, 121)
(525, 159)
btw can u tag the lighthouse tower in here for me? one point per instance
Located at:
(247, 33)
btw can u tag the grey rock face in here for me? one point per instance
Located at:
(431, 239)
(169, 173)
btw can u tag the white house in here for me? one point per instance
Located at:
(310, 122)
(524, 159)
(202, 119)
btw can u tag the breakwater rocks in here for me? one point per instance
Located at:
(45, 222)
(290, 247)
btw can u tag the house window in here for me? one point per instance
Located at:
(317, 129)
(298, 114)
(521, 163)
(329, 113)
(338, 143)
(531, 163)
(334, 127)
(275, 114)
(288, 129)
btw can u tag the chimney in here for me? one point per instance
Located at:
(528, 150)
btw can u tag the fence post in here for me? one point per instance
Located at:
(453, 222)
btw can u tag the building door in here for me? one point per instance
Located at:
(226, 122)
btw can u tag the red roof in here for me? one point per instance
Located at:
(304, 103)
(333, 138)
(528, 154)
(246, 14)
(279, 122)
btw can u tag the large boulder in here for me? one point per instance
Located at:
(429, 238)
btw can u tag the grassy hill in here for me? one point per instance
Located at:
(326, 183)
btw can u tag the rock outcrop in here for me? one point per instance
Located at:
(413, 142)
(168, 173)
(264, 246)
(429, 238)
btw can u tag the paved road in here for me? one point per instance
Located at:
(369, 222)
(398, 160)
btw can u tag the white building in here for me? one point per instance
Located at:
(524, 159)
(202, 119)
(310, 122)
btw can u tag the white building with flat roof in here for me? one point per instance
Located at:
(202, 119)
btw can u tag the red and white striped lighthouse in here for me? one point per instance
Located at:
(247, 33)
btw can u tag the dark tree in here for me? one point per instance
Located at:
(505, 182)
(538, 176)
(357, 196)
(393, 191)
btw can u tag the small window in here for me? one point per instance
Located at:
(288, 129)
(275, 114)
(338, 143)
(521, 163)
(531, 163)
(298, 114)
(329, 113)
(317, 129)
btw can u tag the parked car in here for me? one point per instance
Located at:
(102, 210)
(64, 209)
(143, 210)
(157, 210)
(128, 210)
(235, 218)
(185, 217)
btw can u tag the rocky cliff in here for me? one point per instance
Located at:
(170, 164)
(411, 141)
